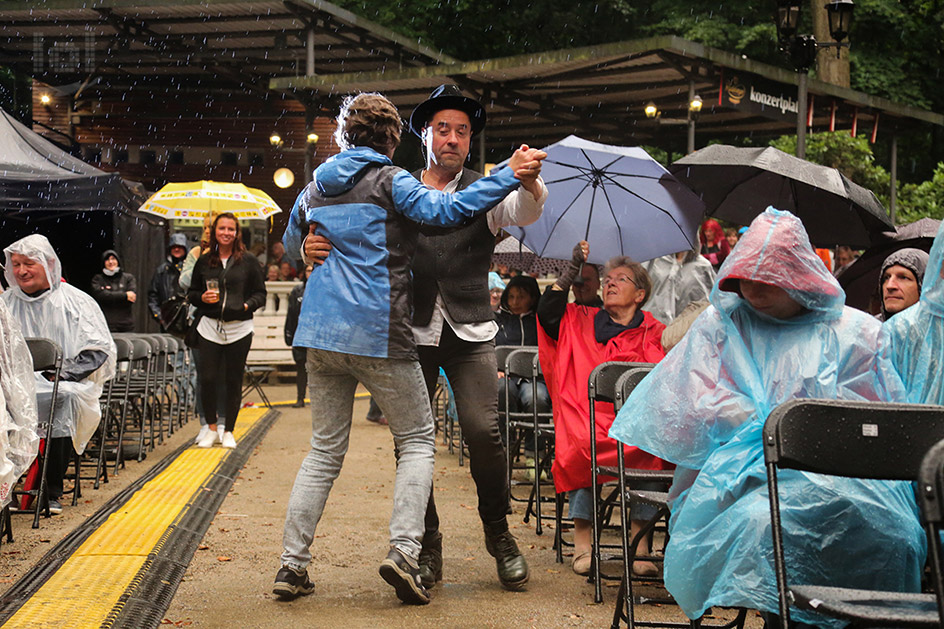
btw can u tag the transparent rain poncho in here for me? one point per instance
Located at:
(676, 284)
(915, 337)
(19, 441)
(71, 319)
(704, 406)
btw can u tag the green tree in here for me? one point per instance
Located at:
(923, 200)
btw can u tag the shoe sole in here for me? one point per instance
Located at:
(289, 591)
(514, 586)
(403, 583)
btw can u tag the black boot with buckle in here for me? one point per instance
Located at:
(500, 544)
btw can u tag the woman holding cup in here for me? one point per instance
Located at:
(226, 288)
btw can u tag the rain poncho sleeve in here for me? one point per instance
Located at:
(19, 441)
(914, 338)
(704, 406)
(74, 321)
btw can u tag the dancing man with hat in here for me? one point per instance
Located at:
(453, 323)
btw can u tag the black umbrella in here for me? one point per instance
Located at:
(737, 184)
(860, 280)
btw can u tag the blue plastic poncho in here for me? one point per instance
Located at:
(915, 337)
(704, 406)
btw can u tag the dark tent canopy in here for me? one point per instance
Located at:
(35, 174)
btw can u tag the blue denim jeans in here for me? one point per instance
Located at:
(398, 387)
(580, 503)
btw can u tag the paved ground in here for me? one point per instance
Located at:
(229, 581)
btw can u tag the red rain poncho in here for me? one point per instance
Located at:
(567, 363)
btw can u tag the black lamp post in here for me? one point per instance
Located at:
(801, 49)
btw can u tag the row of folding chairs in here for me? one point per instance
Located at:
(150, 396)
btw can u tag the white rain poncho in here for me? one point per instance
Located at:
(676, 284)
(704, 406)
(71, 319)
(19, 441)
(915, 336)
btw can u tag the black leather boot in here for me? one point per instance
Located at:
(431, 560)
(500, 544)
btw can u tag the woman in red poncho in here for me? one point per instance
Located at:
(572, 340)
(714, 245)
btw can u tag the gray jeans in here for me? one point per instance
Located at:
(398, 387)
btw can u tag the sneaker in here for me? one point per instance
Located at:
(209, 439)
(220, 429)
(204, 429)
(290, 584)
(55, 507)
(228, 440)
(404, 576)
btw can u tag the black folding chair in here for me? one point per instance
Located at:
(518, 364)
(542, 427)
(47, 357)
(601, 387)
(931, 497)
(866, 440)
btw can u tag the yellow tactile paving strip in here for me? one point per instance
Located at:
(89, 584)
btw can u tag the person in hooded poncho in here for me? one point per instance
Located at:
(915, 337)
(678, 279)
(19, 441)
(46, 307)
(704, 408)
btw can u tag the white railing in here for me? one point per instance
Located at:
(277, 298)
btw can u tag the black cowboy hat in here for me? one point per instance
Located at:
(447, 97)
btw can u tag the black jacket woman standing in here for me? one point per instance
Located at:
(115, 291)
(227, 287)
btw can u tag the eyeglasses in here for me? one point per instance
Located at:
(619, 280)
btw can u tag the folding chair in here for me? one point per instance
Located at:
(866, 440)
(930, 497)
(542, 427)
(47, 356)
(601, 387)
(137, 419)
(518, 364)
(256, 375)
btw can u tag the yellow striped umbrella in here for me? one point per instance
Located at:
(196, 199)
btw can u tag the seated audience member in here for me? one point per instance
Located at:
(900, 281)
(844, 257)
(586, 287)
(915, 337)
(776, 330)
(574, 339)
(115, 291)
(518, 325)
(732, 236)
(272, 273)
(287, 272)
(496, 286)
(678, 279)
(46, 307)
(714, 246)
(19, 441)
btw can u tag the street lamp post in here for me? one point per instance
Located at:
(801, 49)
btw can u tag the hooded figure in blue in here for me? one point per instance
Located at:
(776, 330)
(355, 322)
(915, 336)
